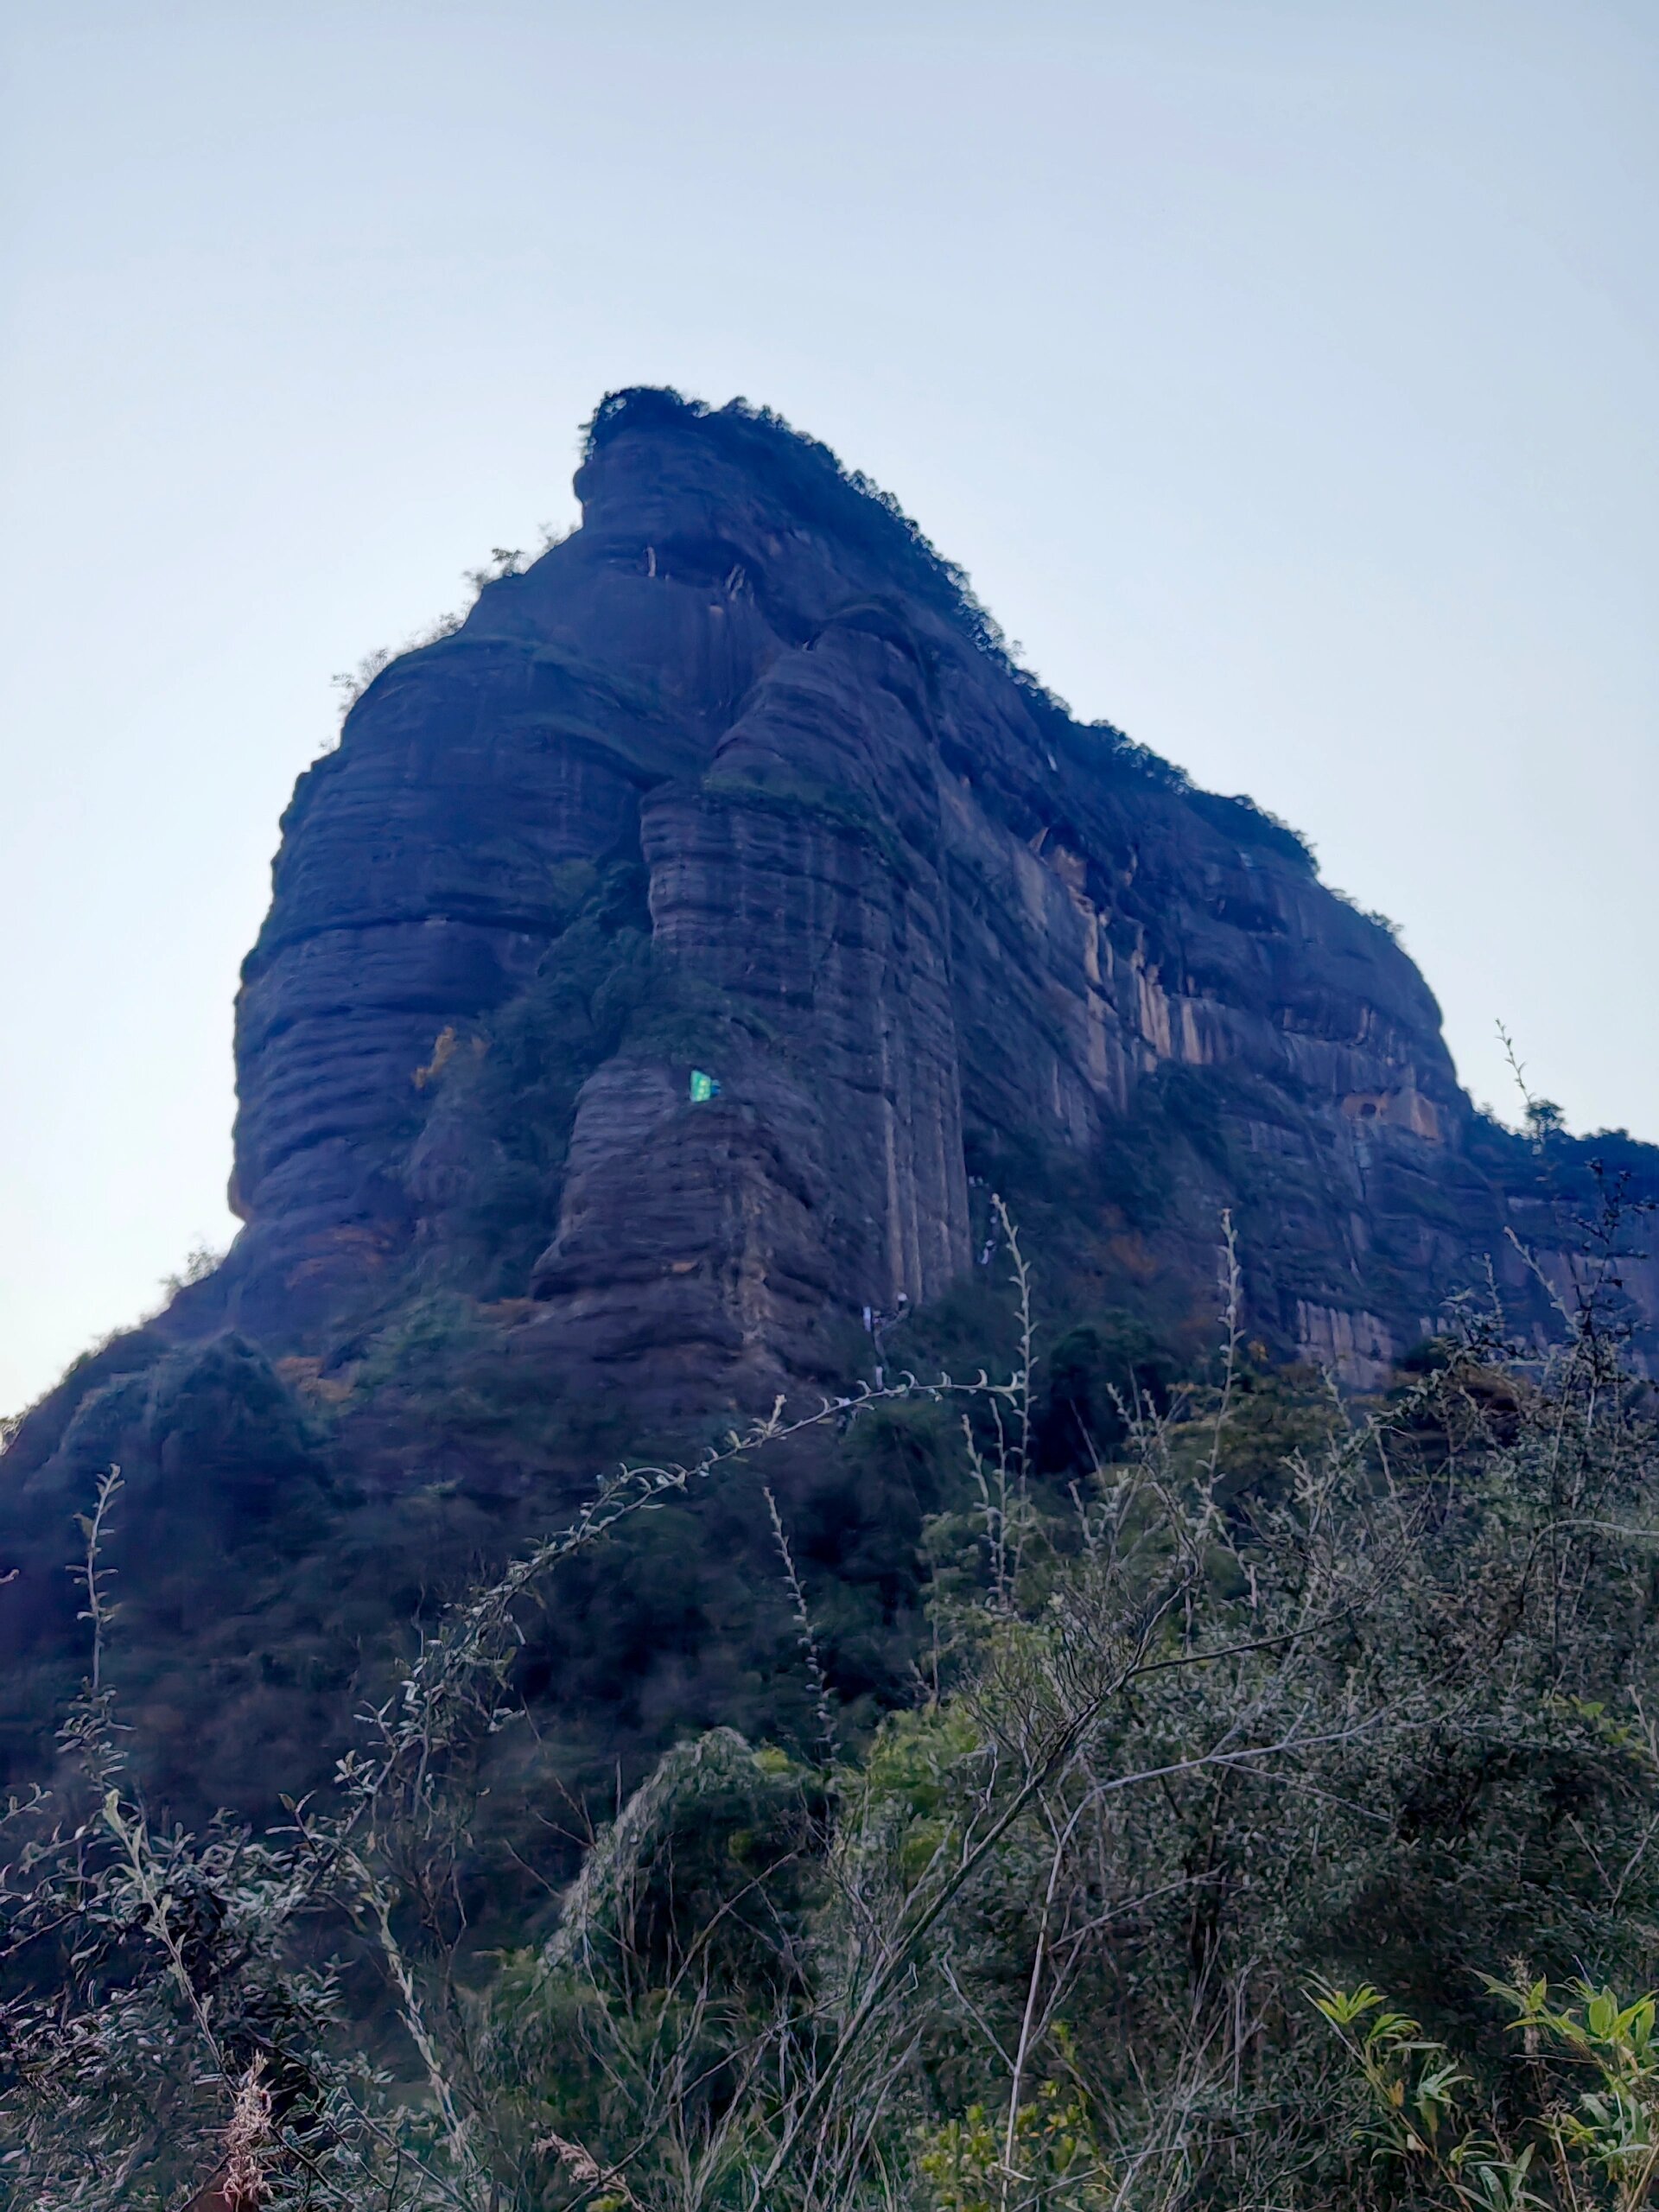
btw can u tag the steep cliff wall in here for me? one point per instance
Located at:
(736, 784)
(910, 914)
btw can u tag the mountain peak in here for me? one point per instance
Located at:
(740, 779)
(663, 980)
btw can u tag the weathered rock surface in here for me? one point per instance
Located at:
(910, 913)
(737, 779)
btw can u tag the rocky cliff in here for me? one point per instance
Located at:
(658, 978)
(750, 739)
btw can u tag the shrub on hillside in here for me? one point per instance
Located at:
(1274, 1691)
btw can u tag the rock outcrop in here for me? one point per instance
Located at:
(906, 911)
(659, 978)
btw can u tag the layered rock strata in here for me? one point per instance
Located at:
(916, 907)
(739, 780)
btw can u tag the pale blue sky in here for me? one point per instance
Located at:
(1283, 374)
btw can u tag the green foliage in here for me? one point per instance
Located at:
(487, 1168)
(714, 1837)
(1587, 2136)
(1545, 1120)
(1051, 2146)
(490, 1164)
(786, 792)
(1098, 1376)
(1271, 1692)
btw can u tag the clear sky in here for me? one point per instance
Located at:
(1283, 370)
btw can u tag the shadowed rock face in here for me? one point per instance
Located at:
(908, 913)
(737, 781)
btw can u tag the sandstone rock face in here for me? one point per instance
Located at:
(910, 915)
(659, 980)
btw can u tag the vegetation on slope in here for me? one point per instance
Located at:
(1280, 1701)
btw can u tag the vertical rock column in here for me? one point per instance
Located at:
(414, 891)
(805, 922)
(802, 934)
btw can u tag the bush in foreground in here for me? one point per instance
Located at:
(1287, 1694)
